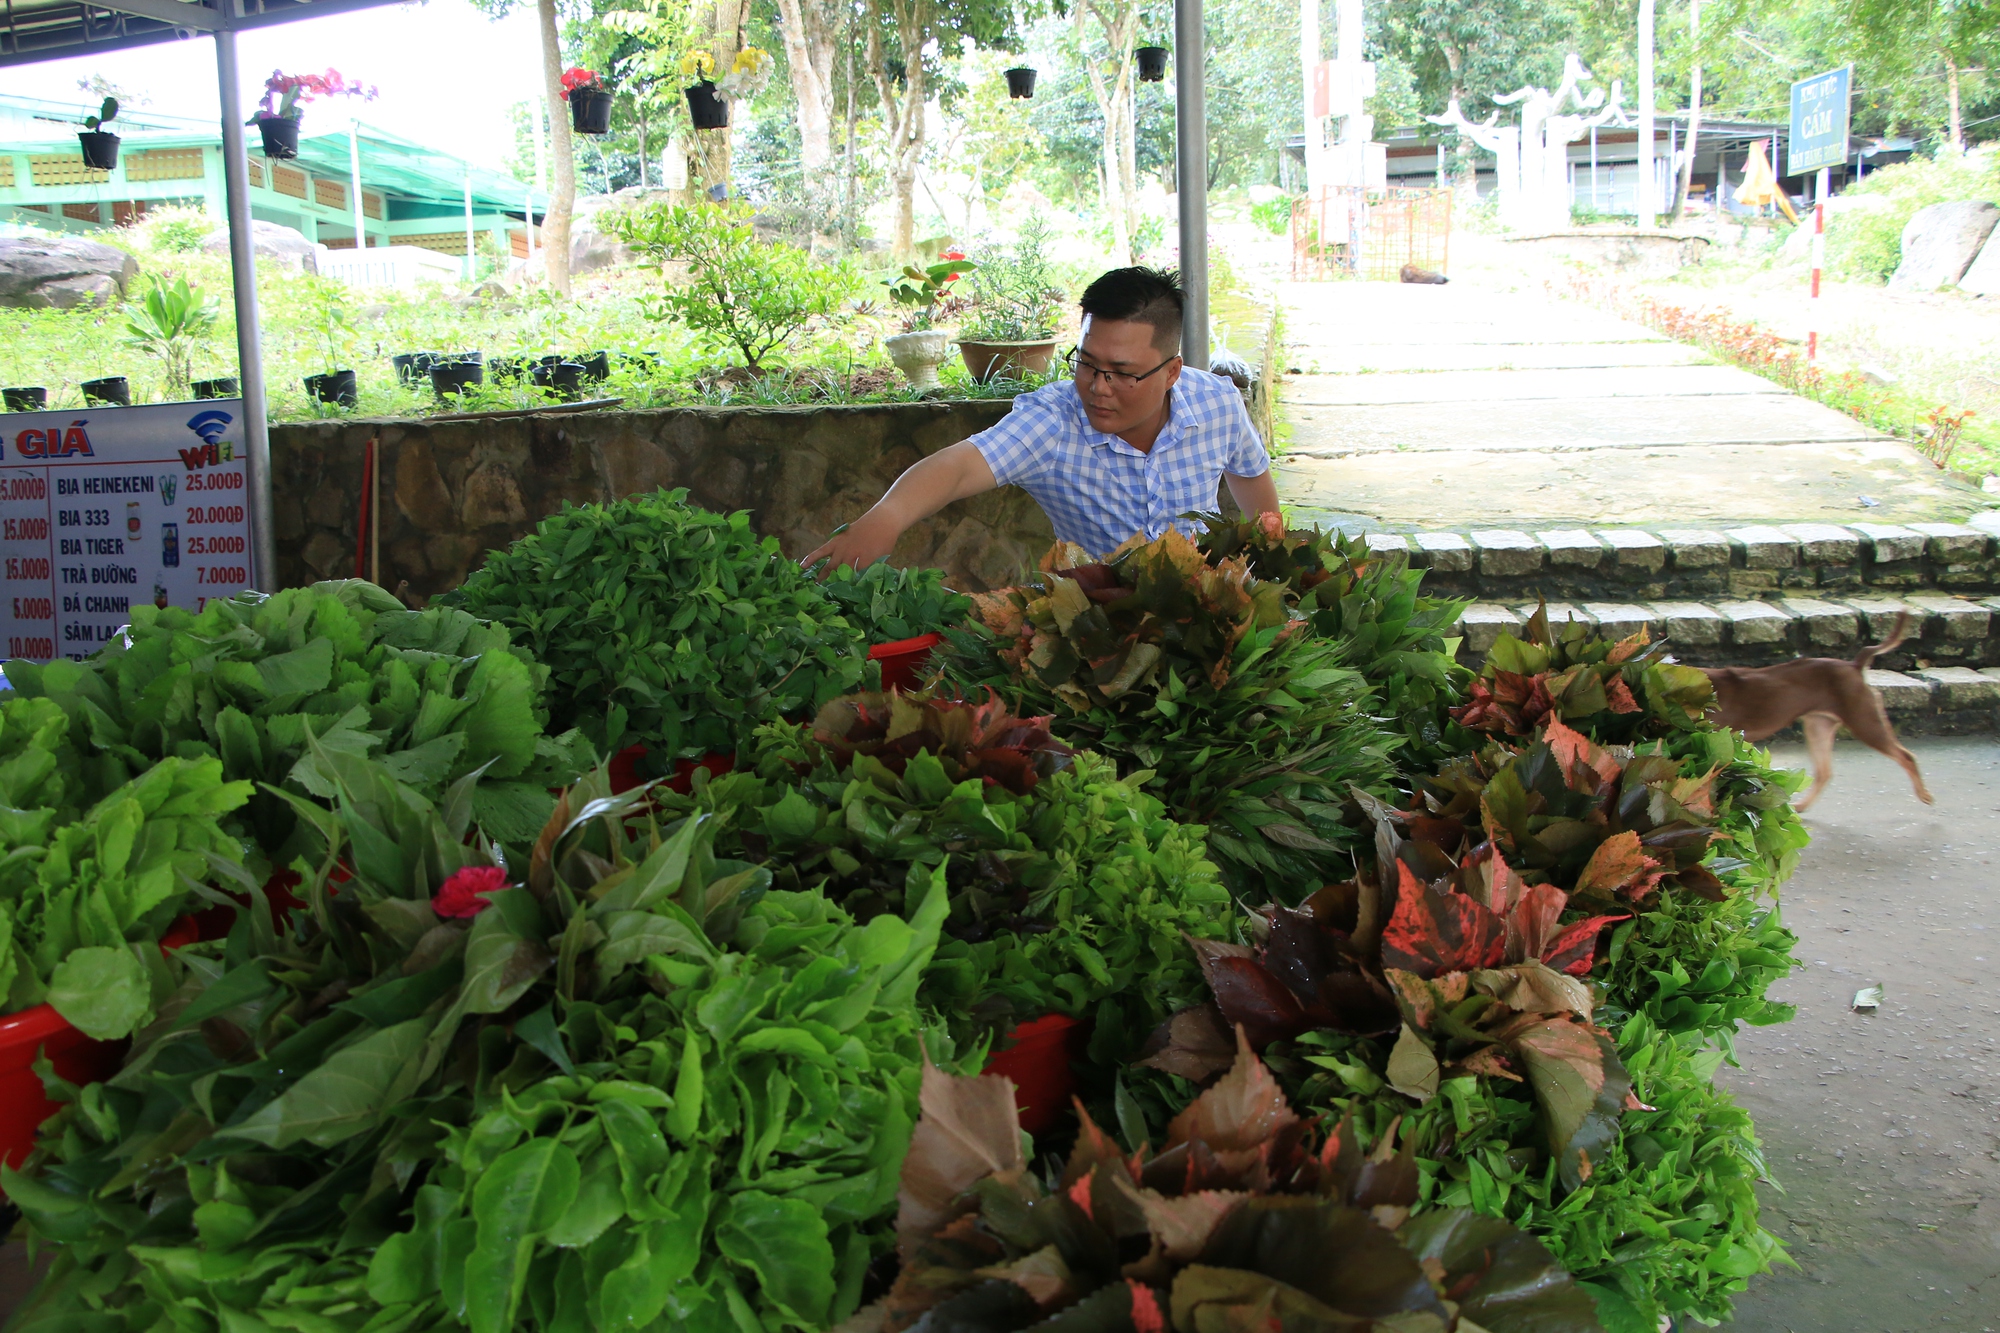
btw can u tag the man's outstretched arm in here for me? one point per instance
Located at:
(928, 486)
(1254, 495)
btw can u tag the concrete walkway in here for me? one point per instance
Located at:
(1413, 408)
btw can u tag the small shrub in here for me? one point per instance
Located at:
(742, 293)
(1867, 245)
(177, 231)
(1273, 215)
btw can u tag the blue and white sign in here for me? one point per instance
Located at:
(1819, 122)
(109, 508)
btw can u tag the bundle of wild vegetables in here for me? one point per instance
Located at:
(1398, 639)
(1199, 677)
(434, 694)
(639, 1087)
(86, 893)
(887, 604)
(1242, 1219)
(666, 625)
(1070, 890)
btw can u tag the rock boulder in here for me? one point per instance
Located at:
(1983, 278)
(591, 244)
(287, 245)
(60, 272)
(1940, 242)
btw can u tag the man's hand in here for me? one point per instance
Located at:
(1255, 496)
(928, 486)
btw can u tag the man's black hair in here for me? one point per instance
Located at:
(1144, 295)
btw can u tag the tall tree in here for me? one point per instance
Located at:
(562, 190)
(812, 32)
(1110, 79)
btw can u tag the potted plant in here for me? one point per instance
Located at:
(171, 323)
(747, 75)
(1017, 309)
(285, 96)
(25, 399)
(1152, 63)
(222, 386)
(110, 391)
(100, 146)
(705, 105)
(454, 372)
(325, 313)
(589, 101)
(921, 345)
(1020, 83)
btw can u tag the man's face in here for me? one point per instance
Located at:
(1116, 403)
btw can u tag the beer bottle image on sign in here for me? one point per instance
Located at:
(160, 595)
(133, 527)
(170, 545)
(167, 484)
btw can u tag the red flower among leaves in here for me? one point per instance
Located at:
(575, 77)
(464, 893)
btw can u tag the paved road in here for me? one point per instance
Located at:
(1884, 1130)
(1491, 403)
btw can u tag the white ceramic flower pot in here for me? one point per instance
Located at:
(918, 355)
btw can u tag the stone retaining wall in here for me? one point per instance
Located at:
(452, 490)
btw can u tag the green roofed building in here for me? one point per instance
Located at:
(411, 195)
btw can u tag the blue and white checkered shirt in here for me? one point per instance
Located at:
(1098, 490)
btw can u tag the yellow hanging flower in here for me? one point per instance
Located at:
(750, 62)
(698, 64)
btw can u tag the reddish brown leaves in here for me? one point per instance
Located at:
(1433, 932)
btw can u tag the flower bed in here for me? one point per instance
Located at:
(650, 1049)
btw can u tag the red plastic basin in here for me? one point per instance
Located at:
(904, 660)
(624, 769)
(80, 1059)
(1038, 1060)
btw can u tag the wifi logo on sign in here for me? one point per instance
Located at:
(210, 426)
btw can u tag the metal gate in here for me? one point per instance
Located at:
(1347, 232)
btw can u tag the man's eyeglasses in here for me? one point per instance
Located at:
(1083, 372)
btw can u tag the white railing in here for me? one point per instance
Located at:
(389, 266)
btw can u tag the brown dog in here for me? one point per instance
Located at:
(1824, 694)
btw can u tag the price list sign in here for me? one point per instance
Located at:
(115, 507)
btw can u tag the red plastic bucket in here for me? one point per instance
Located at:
(903, 661)
(624, 769)
(1038, 1060)
(80, 1059)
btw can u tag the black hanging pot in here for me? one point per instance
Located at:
(100, 149)
(1020, 83)
(1152, 63)
(706, 107)
(112, 390)
(336, 387)
(413, 367)
(25, 400)
(590, 111)
(456, 373)
(281, 136)
(222, 387)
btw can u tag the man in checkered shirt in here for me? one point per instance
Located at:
(1130, 443)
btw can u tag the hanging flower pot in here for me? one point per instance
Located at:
(33, 399)
(706, 107)
(1020, 83)
(223, 386)
(281, 137)
(111, 391)
(1152, 63)
(100, 149)
(336, 387)
(590, 111)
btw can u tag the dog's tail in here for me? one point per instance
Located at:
(1867, 656)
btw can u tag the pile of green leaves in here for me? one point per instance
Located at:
(1239, 1221)
(1070, 891)
(640, 1086)
(1369, 601)
(666, 625)
(1615, 693)
(1197, 676)
(888, 604)
(85, 894)
(434, 694)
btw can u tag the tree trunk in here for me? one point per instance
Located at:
(562, 193)
(1648, 204)
(1694, 115)
(1119, 20)
(903, 112)
(1957, 131)
(712, 148)
(639, 107)
(809, 44)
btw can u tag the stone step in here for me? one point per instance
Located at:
(1539, 386)
(1869, 561)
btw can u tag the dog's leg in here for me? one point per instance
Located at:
(1819, 729)
(1869, 723)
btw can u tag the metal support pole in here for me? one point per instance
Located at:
(528, 218)
(354, 184)
(249, 333)
(1820, 188)
(1191, 176)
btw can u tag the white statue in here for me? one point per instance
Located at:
(1531, 167)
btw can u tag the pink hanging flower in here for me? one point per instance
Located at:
(464, 893)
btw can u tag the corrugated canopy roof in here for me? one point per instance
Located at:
(33, 30)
